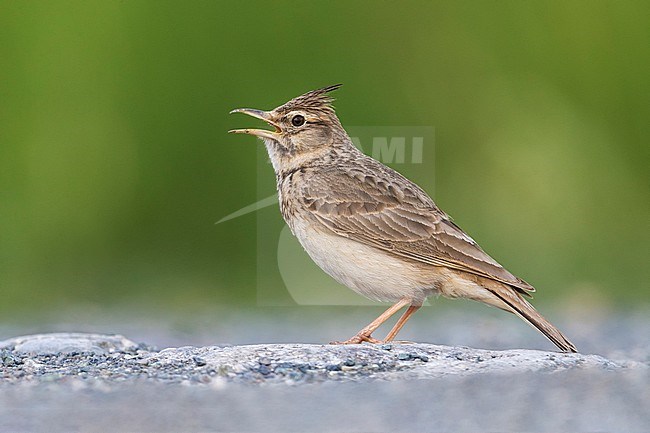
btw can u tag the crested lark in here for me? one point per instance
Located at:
(372, 229)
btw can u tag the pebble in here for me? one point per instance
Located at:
(333, 367)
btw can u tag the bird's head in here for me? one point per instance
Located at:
(304, 127)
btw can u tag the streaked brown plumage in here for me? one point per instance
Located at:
(372, 229)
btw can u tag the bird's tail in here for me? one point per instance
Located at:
(513, 302)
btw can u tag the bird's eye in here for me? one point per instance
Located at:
(297, 120)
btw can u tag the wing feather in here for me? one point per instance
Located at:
(398, 217)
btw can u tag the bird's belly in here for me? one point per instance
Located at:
(366, 270)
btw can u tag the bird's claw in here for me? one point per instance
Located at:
(358, 339)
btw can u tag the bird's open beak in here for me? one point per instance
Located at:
(263, 115)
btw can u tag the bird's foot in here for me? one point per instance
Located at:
(358, 339)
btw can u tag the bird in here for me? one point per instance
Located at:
(372, 229)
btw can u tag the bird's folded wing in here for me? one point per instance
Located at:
(398, 217)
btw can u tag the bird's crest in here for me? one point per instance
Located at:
(316, 100)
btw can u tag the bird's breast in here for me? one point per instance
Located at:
(368, 271)
(288, 208)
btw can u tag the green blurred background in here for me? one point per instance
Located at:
(115, 163)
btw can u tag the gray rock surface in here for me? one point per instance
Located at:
(108, 383)
(67, 343)
(115, 358)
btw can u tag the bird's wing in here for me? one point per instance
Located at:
(398, 217)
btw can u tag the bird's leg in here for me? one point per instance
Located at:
(402, 320)
(365, 333)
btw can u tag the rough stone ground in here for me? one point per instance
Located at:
(99, 382)
(113, 358)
